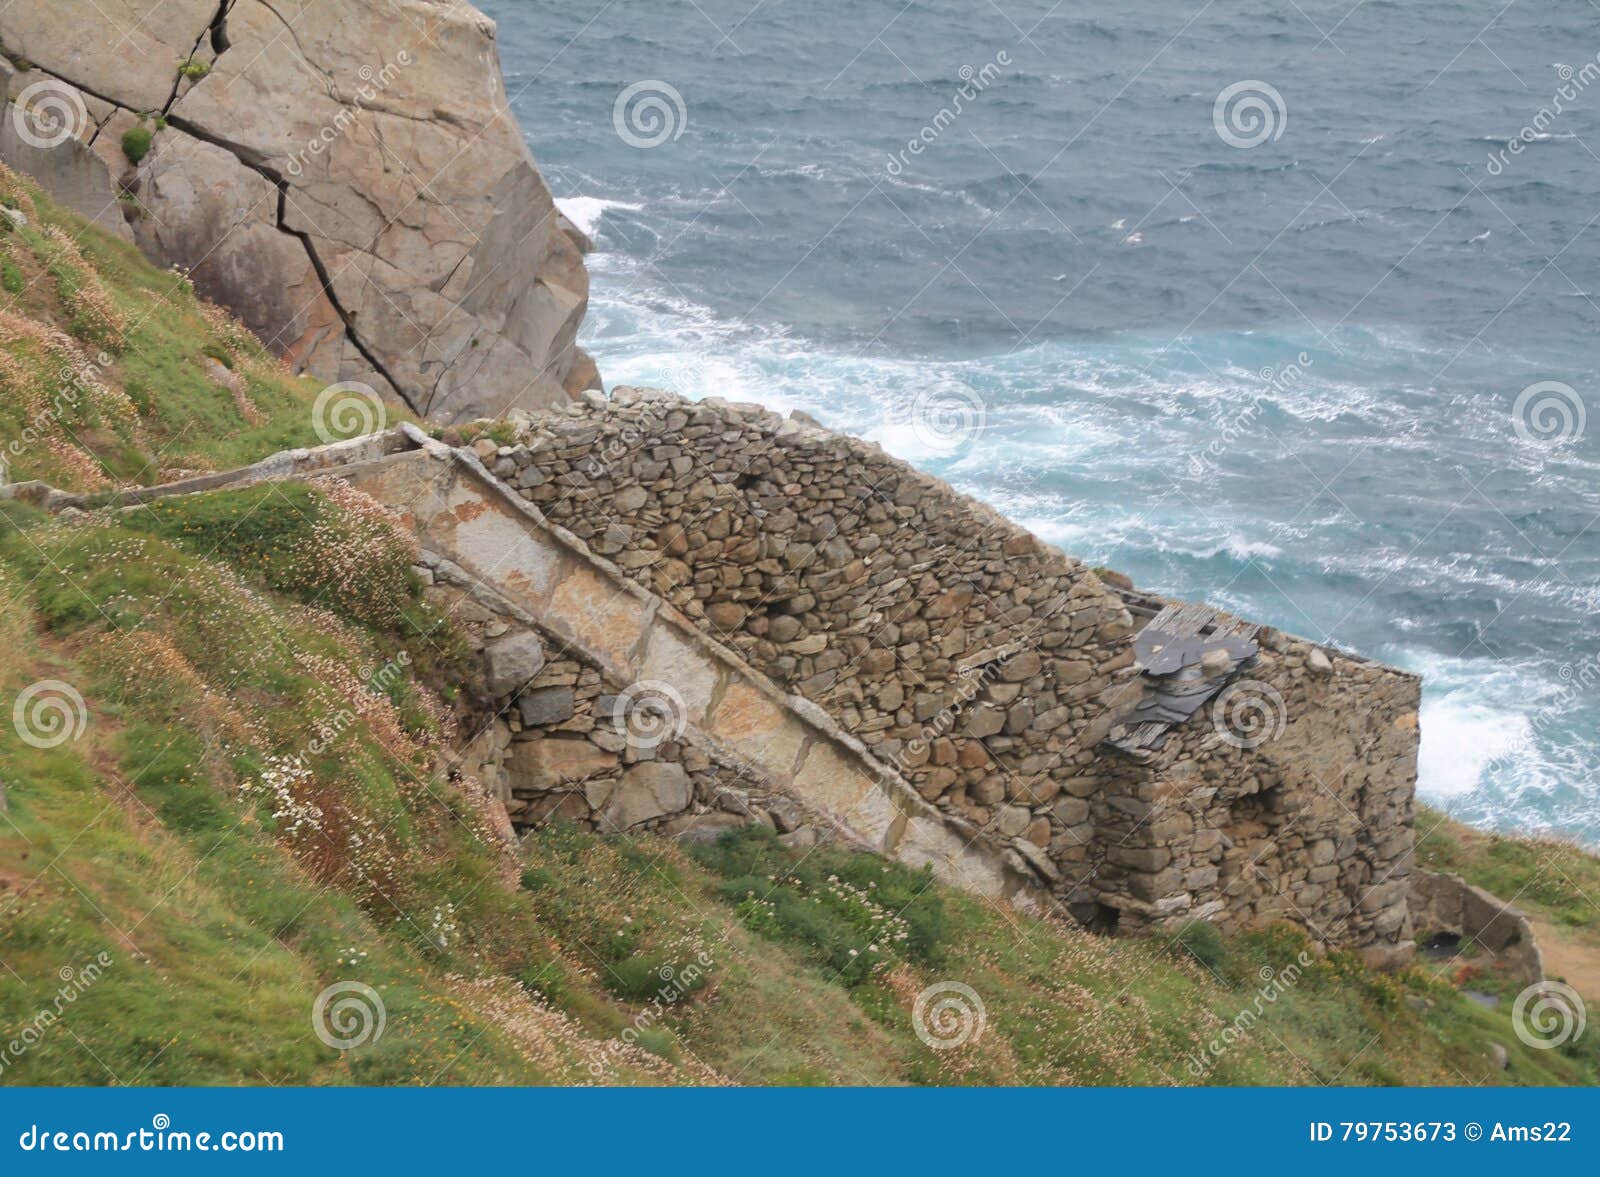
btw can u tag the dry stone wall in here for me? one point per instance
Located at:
(952, 643)
(1291, 801)
(555, 738)
(1299, 808)
(477, 529)
(989, 668)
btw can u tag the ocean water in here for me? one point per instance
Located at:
(1271, 355)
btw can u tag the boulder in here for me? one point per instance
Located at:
(218, 219)
(542, 765)
(69, 170)
(647, 791)
(126, 51)
(393, 229)
(704, 828)
(511, 663)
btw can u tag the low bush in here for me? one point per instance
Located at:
(854, 913)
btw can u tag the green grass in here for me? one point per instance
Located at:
(210, 661)
(1060, 1005)
(1558, 880)
(104, 379)
(150, 840)
(136, 143)
(852, 915)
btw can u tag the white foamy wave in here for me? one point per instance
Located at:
(587, 212)
(1462, 740)
(1481, 728)
(1241, 548)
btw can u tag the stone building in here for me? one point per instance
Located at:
(1142, 761)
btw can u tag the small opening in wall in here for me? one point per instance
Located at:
(1099, 918)
(1441, 946)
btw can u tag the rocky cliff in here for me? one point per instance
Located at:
(346, 177)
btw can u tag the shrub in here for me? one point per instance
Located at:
(658, 1042)
(1201, 940)
(852, 913)
(536, 878)
(330, 545)
(136, 143)
(641, 978)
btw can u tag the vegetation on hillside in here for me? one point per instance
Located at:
(113, 372)
(232, 849)
(1555, 881)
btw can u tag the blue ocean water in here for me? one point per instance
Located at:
(1287, 377)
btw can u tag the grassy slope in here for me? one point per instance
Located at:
(104, 372)
(216, 638)
(1555, 882)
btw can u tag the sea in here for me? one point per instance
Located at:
(1290, 307)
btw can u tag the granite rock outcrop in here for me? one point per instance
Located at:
(347, 178)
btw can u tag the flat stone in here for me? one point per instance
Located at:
(647, 791)
(548, 705)
(704, 828)
(551, 762)
(1012, 820)
(986, 721)
(726, 615)
(512, 662)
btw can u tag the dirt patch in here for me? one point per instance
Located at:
(1570, 959)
